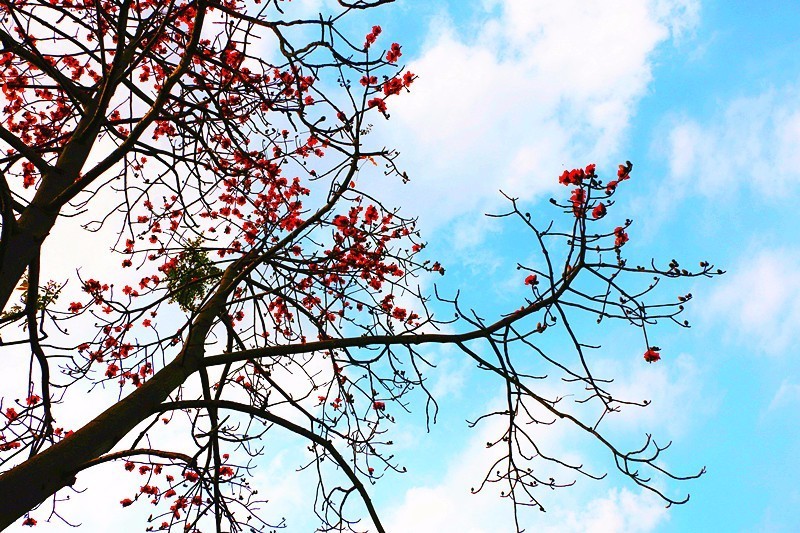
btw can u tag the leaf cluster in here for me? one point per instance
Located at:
(189, 281)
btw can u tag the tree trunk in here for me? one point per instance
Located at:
(33, 481)
(22, 246)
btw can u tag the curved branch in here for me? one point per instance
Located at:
(294, 428)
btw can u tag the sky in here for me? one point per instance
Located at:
(704, 98)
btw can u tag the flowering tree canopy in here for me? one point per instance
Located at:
(219, 145)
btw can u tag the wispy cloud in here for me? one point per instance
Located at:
(450, 506)
(788, 394)
(750, 144)
(759, 302)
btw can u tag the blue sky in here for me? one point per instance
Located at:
(704, 98)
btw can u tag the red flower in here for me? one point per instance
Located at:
(126, 502)
(371, 214)
(13, 445)
(623, 174)
(129, 466)
(112, 370)
(399, 313)
(392, 86)
(33, 399)
(149, 489)
(599, 211)
(74, 307)
(652, 355)
(621, 237)
(370, 37)
(379, 103)
(572, 177)
(341, 221)
(531, 280)
(29, 522)
(578, 199)
(379, 406)
(11, 414)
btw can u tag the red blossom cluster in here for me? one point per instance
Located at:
(396, 84)
(39, 124)
(372, 36)
(579, 199)
(149, 489)
(7, 446)
(152, 490)
(394, 53)
(361, 250)
(577, 175)
(180, 504)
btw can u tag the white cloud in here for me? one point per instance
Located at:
(450, 506)
(590, 506)
(618, 511)
(759, 300)
(537, 87)
(788, 394)
(669, 386)
(751, 143)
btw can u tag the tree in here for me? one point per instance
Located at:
(229, 139)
